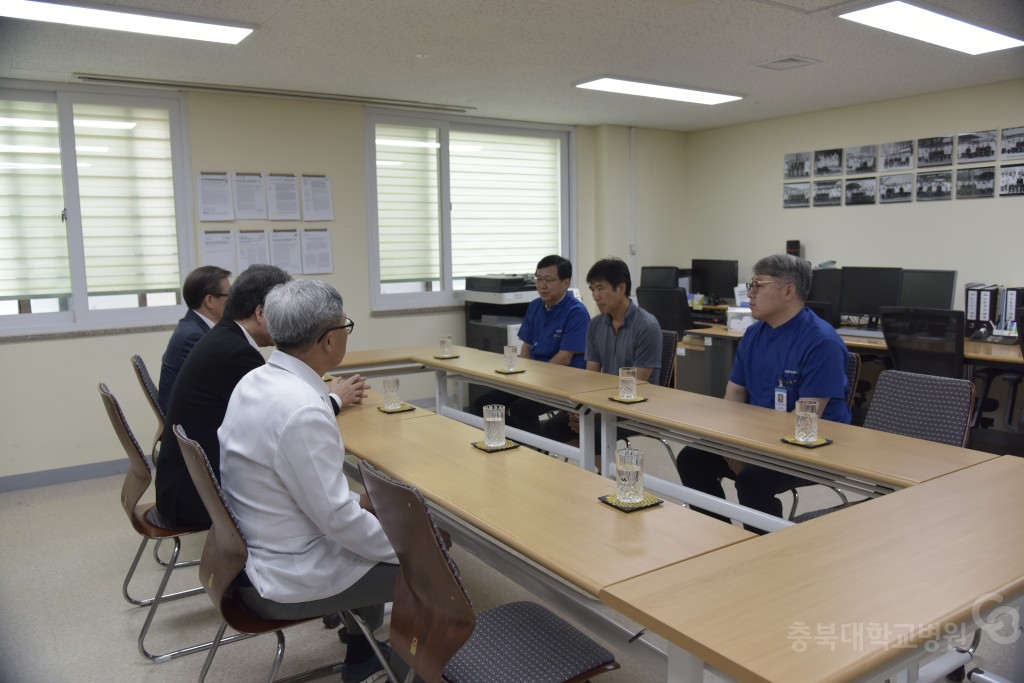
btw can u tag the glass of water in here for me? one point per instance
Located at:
(494, 425)
(629, 475)
(627, 383)
(806, 420)
(511, 358)
(446, 345)
(392, 397)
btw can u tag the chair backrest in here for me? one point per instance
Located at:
(852, 376)
(824, 310)
(152, 396)
(928, 341)
(659, 276)
(922, 406)
(668, 305)
(431, 616)
(225, 552)
(669, 340)
(140, 472)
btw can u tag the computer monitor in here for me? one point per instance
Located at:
(715, 278)
(928, 288)
(867, 289)
(826, 288)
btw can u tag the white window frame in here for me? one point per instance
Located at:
(448, 296)
(80, 317)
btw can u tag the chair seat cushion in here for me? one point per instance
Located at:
(522, 641)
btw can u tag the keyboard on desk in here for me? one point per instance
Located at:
(860, 332)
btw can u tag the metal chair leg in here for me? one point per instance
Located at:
(156, 556)
(374, 646)
(145, 602)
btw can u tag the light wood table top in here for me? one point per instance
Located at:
(911, 562)
(541, 507)
(977, 352)
(896, 461)
(376, 360)
(555, 381)
(367, 413)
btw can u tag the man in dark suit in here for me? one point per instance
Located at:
(201, 392)
(205, 292)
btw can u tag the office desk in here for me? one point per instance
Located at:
(864, 461)
(367, 413)
(905, 566)
(518, 504)
(376, 362)
(547, 383)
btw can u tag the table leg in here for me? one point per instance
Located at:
(683, 667)
(588, 439)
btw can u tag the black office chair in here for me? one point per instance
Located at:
(660, 277)
(927, 341)
(669, 306)
(825, 310)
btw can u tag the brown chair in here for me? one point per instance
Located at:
(433, 627)
(149, 389)
(136, 482)
(223, 561)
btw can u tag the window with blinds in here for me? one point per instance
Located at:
(89, 210)
(455, 200)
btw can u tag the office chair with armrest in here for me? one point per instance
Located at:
(136, 482)
(433, 627)
(919, 406)
(223, 562)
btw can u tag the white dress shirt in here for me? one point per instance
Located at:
(281, 470)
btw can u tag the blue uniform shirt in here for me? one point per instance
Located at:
(804, 355)
(563, 327)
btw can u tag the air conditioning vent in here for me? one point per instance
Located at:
(787, 63)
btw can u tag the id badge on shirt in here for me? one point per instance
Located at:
(781, 399)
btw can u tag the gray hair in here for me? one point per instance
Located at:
(787, 268)
(298, 312)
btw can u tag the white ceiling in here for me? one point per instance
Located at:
(519, 59)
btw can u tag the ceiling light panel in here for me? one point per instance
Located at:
(664, 92)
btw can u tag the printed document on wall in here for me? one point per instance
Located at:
(219, 249)
(286, 251)
(215, 197)
(316, 252)
(282, 197)
(250, 196)
(253, 247)
(317, 204)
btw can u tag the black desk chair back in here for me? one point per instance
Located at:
(927, 341)
(668, 305)
(661, 277)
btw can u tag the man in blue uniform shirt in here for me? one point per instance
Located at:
(788, 354)
(553, 331)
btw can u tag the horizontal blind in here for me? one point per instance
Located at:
(408, 207)
(126, 185)
(506, 202)
(33, 239)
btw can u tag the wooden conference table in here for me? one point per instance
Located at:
(848, 596)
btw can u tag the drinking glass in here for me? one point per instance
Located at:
(511, 358)
(629, 475)
(627, 383)
(806, 420)
(392, 398)
(446, 345)
(494, 425)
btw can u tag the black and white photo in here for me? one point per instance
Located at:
(1013, 143)
(897, 156)
(861, 191)
(980, 146)
(972, 183)
(935, 151)
(861, 159)
(797, 165)
(893, 189)
(796, 195)
(828, 192)
(828, 162)
(934, 186)
(1011, 181)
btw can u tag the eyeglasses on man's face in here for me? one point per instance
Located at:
(349, 325)
(546, 280)
(755, 285)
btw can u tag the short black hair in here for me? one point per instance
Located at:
(612, 270)
(564, 265)
(200, 282)
(250, 289)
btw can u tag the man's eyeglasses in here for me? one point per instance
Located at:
(546, 280)
(755, 285)
(349, 325)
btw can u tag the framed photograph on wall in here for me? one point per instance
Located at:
(796, 195)
(1011, 181)
(797, 165)
(1013, 143)
(861, 191)
(893, 189)
(828, 162)
(897, 156)
(934, 186)
(972, 183)
(972, 147)
(828, 192)
(935, 151)
(861, 159)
